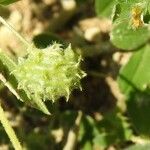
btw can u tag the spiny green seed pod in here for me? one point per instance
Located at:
(49, 73)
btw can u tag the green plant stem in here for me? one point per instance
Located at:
(140, 140)
(2, 20)
(9, 86)
(9, 130)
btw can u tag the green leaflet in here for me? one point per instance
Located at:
(135, 75)
(134, 82)
(124, 37)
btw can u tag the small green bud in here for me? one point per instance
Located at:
(49, 73)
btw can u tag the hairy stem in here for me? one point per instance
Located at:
(9, 130)
(2, 20)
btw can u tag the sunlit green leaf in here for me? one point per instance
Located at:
(104, 8)
(127, 38)
(127, 33)
(135, 75)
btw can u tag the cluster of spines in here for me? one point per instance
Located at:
(49, 73)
